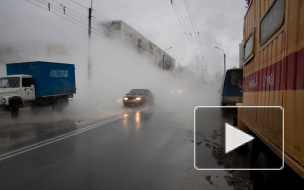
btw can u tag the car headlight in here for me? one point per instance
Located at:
(125, 98)
(138, 98)
(3, 100)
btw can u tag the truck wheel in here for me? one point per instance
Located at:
(54, 106)
(263, 179)
(14, 110)
(59, 104)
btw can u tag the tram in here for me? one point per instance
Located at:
(274, 76)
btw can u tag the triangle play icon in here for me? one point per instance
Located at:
(235, 138)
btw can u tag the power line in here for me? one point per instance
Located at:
(36, 4)
(69, 8)
(67, 19)
(195, 26)
(64, 6)
(192, 23)
(191, 19)
(83, 17)
(104, 17)
(191, 14)
(204, 5)
(58, 9)
(222, 26)
(191, 37)
(94, 30)
(98, 21)
(183, 26)
(79, 15)
(80, 4)
(239, 16)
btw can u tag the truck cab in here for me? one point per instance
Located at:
(16, 91)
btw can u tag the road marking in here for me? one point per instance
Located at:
(55, 139)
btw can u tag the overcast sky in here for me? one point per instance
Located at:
(216, 23)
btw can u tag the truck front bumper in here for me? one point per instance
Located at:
(4, 101)
(4, 107)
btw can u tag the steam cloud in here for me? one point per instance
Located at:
(116, 68)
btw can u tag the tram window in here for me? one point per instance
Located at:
(248, 47)
(234, 78)
(272, 21)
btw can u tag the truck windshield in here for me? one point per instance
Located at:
(10, 82)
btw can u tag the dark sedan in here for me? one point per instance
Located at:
(138, 97)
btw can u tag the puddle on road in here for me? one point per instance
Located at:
(11, 137)
(210, 150)
(30, 127)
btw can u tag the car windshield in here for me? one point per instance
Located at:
(136, 92)
(9, 82)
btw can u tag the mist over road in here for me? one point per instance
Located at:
(141, 148)
(96, 143)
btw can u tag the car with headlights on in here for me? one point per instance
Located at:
(138, 97)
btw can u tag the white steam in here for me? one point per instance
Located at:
(115, 68)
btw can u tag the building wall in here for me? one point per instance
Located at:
(131, 37)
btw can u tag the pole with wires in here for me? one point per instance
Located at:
(90, 24)
(89, 44)
(164, 57)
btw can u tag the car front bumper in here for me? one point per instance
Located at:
(132, 102)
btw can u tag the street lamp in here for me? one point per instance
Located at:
(224, 59)
(164, 57)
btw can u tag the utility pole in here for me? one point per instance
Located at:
(89, 36)
(164, 57)
(163, 61)
(90, 18)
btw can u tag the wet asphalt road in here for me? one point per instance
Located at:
(138, 148)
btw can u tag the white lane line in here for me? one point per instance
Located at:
(55, 139)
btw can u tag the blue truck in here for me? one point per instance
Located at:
(37, 84)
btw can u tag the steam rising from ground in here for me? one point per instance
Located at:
(115, 70)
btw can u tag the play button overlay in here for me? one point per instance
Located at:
(235, 138)
(238, 138)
